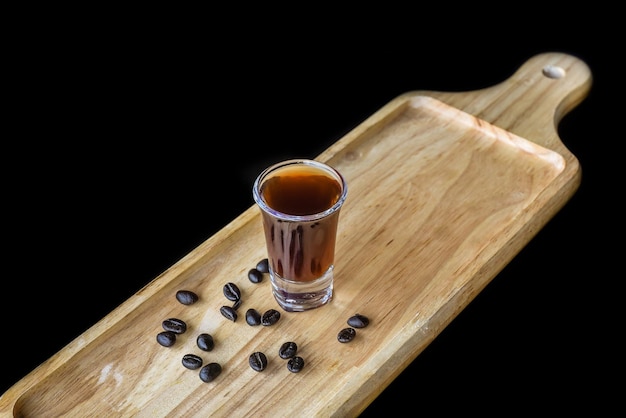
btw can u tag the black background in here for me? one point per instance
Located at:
(131, 141)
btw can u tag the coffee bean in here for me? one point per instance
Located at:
(346, 335)
(205, 342)
(166, 338)
(255, 276)
(229, 313)
(232, 292)
(295, 364)
(263, 266)
(358, 321)
(237, 304)
(192, 361)
(258, 361)
(253, 317)
(186, 297)
(288, 350)
(209, 372)
(177, 326)
(270, 317)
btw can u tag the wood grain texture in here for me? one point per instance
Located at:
(444, 189)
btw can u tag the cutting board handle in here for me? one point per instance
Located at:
(532, 102)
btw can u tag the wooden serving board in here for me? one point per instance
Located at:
(444, 189)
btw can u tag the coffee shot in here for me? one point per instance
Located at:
(301, 191)
(300, 202)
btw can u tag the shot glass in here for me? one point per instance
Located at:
(300, 201)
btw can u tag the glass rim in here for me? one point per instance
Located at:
(260, 201)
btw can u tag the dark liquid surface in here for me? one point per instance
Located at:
(300, 191)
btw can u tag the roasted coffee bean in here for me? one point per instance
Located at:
(232, 292)
(253, 317)
(263, 266)
(255, 276)
(229, 313)
(295, 364)
(237, 304)
(192, 361)
(288, 350)
(186, 297)
(177, 326)
(258, 361)
(205, 342)
(209, 372)
(358, 321)
(270, 317)
(346, 335)
(166, 338)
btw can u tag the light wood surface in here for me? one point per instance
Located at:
(444, 189)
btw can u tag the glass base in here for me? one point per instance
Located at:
(301, 296)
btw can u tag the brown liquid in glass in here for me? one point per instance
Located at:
(301, 250)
